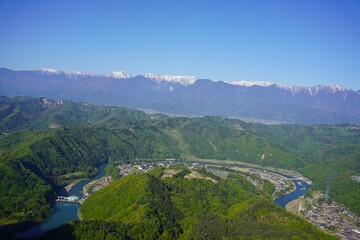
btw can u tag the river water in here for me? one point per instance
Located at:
(301, 188)
(62, 212)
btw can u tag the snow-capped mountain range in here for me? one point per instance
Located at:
(294, 89)
(70, 74)
(189, 80)
(187, 95)
(184, 80)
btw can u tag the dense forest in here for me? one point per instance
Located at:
(36, 161)
(146, 206)
(43, 143)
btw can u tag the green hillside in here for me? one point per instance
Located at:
(333, 174)
(36, 163)
(143, 206)
(217, 138)
(328, 155)
(42, 113)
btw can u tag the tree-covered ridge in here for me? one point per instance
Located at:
(142, 206)
(42, 113)
(43, 141)
(36, 163)
(216, 138)
(140, 200)
(334, 171)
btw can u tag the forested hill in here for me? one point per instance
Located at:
(46, 143)
(149, 206)
(42, 113)
(37, 156)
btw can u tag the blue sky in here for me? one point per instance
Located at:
(288, 42)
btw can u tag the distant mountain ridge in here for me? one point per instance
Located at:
(294, 89)
(187, 95)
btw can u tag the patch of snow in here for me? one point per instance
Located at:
(250, 84)
(336, 88)
(77, 74)
(293, 89)
(118, 75)
(49, 71)
(184, 80)
(333, 88)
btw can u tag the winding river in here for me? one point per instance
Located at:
(301, 188)
(62, 212)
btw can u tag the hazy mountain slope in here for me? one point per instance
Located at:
(315, 105)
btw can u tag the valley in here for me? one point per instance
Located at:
(47, 159)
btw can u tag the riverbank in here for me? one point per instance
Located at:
(87, 188)
(283, 185)
(79, 215)
(283, 190)
(95, 185)
(295, 205)
(67, 188)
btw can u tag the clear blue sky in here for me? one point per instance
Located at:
(289, 42)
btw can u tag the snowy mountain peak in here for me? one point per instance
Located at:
(70, 74)
(336, 87)
(49, 71)
(249, 84)
(293, 89)
(333, 88)
(78, 74)
(184, 80)
(118, 74)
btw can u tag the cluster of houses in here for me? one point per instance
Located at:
(330, 216)
(140, 167)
